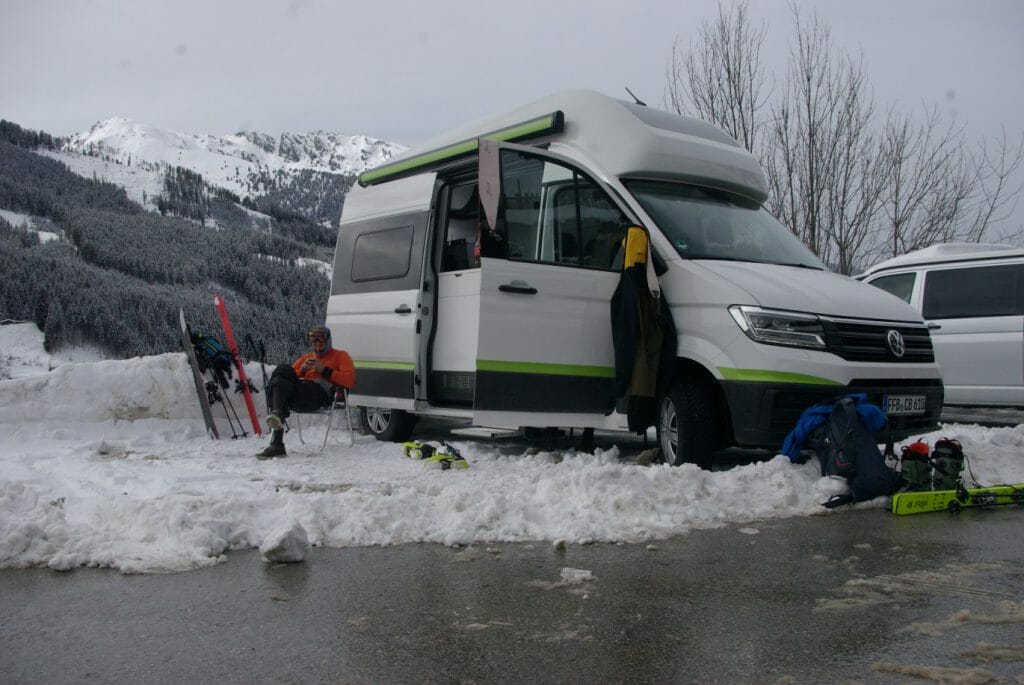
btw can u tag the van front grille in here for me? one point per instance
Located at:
(858, 341)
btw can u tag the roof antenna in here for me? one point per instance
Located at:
(638, 100)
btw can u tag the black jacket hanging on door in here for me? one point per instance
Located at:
(643, 336)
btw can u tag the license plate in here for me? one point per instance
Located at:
(904, 404)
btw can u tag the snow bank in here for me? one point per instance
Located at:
(107, 464)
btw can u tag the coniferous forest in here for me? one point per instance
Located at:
(116, 275)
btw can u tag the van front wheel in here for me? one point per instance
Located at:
(388, 425)
(685, 425)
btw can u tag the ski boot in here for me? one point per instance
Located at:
(449, 457)
(948, 463)
(916, 467)
(418, 450)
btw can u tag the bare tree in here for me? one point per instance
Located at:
(720, 79)
(937, 191)
(851, 191)
(822, 160)
(997, 166)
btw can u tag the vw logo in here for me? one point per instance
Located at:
(896, 344)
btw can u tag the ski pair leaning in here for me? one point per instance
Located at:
(446, 454)
(212, 366)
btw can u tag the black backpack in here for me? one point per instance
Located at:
(847, 448)
(211, 354)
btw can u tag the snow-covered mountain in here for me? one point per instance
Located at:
(245, 163)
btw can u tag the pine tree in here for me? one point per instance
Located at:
(54, 331)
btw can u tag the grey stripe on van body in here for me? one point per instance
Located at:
(384, 382)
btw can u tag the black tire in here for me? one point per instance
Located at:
(387, 425)
(686, 433)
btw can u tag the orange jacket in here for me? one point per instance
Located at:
(340, 370)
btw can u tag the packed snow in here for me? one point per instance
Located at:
(107, 463)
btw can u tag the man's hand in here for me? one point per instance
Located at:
(314, 364)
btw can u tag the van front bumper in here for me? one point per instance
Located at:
(763, 414)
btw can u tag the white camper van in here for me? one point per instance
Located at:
(473, 279)
(972, 298)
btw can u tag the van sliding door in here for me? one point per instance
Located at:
(548, 272)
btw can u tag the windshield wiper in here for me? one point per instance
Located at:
(724, 258)
(801, 265)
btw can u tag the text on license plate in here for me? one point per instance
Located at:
(904, 404)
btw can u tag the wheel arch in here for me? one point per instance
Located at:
(690, 370)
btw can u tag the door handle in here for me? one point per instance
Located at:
(518, 288)
(403, 309)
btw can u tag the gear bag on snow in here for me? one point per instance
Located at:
(846, 447)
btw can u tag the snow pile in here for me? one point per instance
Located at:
(286, 544)
(107, 463)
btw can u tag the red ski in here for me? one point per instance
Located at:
(229, 337)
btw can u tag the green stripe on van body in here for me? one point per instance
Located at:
(543, 369)
(549, 123)
(765, 376)
(387, 366)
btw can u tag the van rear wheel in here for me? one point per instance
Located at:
(388, 425)
(686, 425)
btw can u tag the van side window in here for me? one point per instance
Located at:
(382, 254)
(974, 292)
(900, 285)
(556, 214)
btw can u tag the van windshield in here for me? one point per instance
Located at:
(704, 223)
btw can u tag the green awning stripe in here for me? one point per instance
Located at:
(764, 376)
(549, 123)
(545, 369)
(387, 366)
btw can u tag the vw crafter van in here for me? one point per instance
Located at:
(473, 279)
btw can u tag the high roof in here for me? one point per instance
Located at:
(615, 137)
(945, 252)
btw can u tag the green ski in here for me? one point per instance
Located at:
(955, 500)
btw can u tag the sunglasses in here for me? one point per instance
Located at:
(317, 337)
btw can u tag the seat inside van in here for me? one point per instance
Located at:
(463, 220)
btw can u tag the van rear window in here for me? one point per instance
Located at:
(974, 292)
(382, 254)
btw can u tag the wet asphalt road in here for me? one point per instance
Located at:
(823, 599)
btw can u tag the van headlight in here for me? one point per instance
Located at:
(774, 327)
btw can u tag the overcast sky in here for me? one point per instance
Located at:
(405, 70)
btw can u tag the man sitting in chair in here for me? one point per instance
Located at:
(306, 385)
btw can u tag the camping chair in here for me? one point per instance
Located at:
(340, 402)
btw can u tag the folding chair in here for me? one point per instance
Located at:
(340, 402)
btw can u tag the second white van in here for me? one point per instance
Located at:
(972, 298)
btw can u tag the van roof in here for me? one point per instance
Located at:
(946, 252)
(620, 138)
